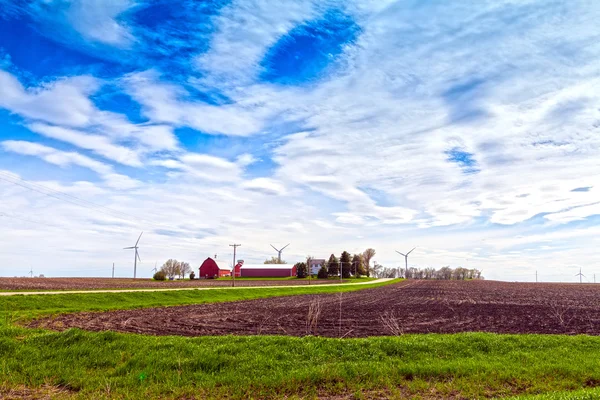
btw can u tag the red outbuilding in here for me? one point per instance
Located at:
(213, 269)
(265, 270)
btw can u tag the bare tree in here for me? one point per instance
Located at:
(184, 269)
(368, 255)
(171, 268)
(274, 260)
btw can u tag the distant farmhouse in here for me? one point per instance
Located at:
(315, 265)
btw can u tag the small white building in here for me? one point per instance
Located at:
(315, 265)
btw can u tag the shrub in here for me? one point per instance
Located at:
(192, 276)
(159, 276)
(323, 273)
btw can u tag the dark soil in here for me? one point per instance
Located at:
(406, 307)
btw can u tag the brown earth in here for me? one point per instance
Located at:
(406, 307)
(125, 283)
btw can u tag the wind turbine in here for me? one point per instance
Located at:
(580, 275)
(405, 262)
(136, 256)
(279, 252)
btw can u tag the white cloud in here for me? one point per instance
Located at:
(98, 144)
(170, 104)
(96, 20)
(65, 101)
(264, 185)
(65, 159)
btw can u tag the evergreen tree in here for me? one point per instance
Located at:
(301, 270)
(346, 264)
(322, 272)
(333, 267)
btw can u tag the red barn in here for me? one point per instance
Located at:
(213, 269)
(265, 270)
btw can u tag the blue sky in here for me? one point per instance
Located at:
(470, 131)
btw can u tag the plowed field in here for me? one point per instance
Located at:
(123, 283)
(406, 307)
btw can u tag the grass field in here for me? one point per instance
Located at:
(84, 364)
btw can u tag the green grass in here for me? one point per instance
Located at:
(98, 365)
(476, 365)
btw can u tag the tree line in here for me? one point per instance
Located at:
(172, 268)
(360, 265)
(350, 265)
(445, 273)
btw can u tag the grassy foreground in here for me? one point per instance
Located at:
(79, 364)
(113, 365)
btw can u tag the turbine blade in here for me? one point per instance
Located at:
(136, 243)
(402, 254)
(138, 256)
(411, 250)
(275, 248)
(285, 246)
(127, 248)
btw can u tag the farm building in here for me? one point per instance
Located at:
(213, 269)
(264, 270)
(315, 265)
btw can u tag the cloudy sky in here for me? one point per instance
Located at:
(468, 129)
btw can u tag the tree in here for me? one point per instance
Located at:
(323, 272)
(333, 267)
(159, 275)
(346, 264)
(184, 269)
(274, 260)
(171, 268)
(368, 254)
(358, 267)
(308, 265)
(301, 269)
(377, 270)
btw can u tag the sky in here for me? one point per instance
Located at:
(468, 129)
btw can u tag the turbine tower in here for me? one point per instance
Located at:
(405, 262)
(136, 255)
(279, 252)
(580, 275)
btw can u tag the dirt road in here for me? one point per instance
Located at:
(239, 285)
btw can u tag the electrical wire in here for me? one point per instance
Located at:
(56, 194)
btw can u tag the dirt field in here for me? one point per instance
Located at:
(122, 283)
(406, 307)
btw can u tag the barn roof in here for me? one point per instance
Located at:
(222, 265)
(267, 266)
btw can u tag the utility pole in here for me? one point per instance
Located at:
(113, 270)
(235, 246)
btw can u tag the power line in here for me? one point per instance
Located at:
(47, 191)
(27, 220)
(56, 193)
